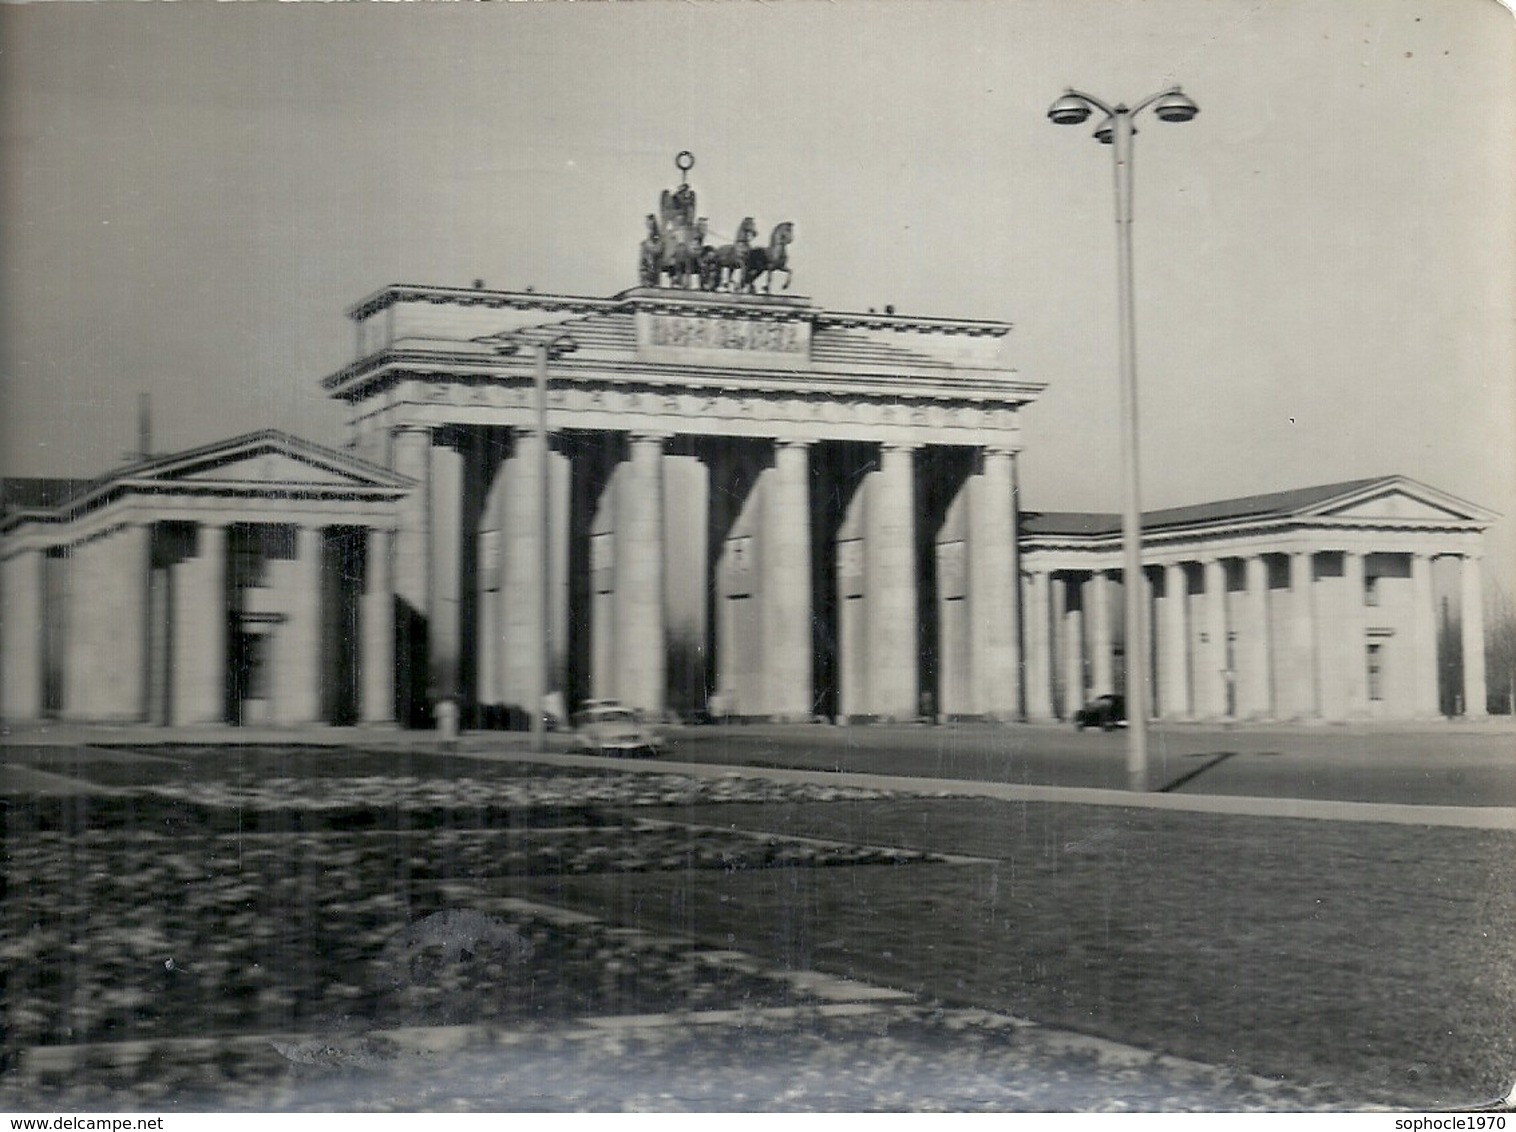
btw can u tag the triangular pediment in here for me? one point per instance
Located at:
(1394, 505)
(1398, 499)
(268, 467)
(272, 459)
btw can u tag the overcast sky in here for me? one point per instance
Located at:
(194, 193)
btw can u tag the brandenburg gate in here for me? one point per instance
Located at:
(704, 499)
(755, 508)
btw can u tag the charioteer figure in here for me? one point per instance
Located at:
(675, 246)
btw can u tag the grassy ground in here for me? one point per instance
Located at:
(1381, 959)
(1378, 958)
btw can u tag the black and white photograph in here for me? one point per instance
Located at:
(885, 556)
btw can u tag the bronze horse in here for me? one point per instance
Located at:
(685, 253)
(766, 261)
(723, 265)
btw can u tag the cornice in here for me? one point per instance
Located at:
(919, 324)
(118, 490)
(386, 367)
(1177, 536)
(477, 297)
(775, 308)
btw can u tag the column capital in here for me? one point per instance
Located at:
(791, 443)
(404, 429)
(998, 450)
(644, 436)
(901, 446)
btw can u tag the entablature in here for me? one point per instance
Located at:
(372, 375)
(1433, 538)
(810, 416)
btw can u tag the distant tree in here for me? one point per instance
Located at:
(1500, 650)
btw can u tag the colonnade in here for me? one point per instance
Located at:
(269, 641)
(152, 621)
(775, 579)
(1293, 633)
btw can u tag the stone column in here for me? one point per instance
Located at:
(411, 455)
(1354, 638)
(785, 561)
(21, 618)
(1255, 697)
(1471, 618)
(81, 625)
(641, 652)
(522, 614)
(120, 669)
(1174, 645)
(199, 628)
(889, 543)
(1303, 699)
(297, 662)
(1071, 643)
(376, 671)
(446, 545)
(992, 578)
(1148, 592)
(1423, 658)
(490, 612)
(1212, 670)
(1102, 682)
(1039, 659)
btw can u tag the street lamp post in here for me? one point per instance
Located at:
(1117, 131)
(546, 345)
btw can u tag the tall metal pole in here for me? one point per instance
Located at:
(1171, 105)
(539, 683)
(1133, 588)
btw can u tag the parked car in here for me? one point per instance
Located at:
(1104, 712)
(606, 727)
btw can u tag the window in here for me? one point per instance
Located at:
(1376, 672)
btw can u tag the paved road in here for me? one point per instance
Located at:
(1450, 764)
(1445, 766)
